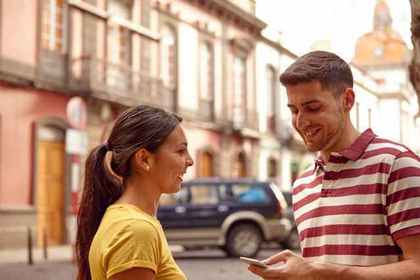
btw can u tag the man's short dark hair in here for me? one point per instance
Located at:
(329, 69)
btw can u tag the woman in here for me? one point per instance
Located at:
(118, 235)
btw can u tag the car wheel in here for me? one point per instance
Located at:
(244, 240)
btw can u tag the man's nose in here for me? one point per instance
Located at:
(301, 120)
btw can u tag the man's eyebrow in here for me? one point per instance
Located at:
(304, 103)
(310, 102)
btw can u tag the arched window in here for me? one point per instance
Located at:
(240, 166)
(168, 56)
(272, 168)
(205, 164)
(271, 98)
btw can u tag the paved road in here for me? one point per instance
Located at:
(202, 265)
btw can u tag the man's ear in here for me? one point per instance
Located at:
(143, 159)
(348, 99)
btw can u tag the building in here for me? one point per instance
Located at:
(195, 58)
(383, 56)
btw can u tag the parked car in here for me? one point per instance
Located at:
(236, 215)
(291, 241)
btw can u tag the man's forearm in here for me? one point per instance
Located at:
(403, 270)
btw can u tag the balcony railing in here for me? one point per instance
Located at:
(244, 119)
(119, 83)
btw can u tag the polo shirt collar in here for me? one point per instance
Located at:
(356, 150)
(353, 152)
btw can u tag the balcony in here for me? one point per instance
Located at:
(244, 122)
(118, 83)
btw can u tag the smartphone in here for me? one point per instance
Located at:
(253, 262)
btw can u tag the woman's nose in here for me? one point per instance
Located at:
(190, 161)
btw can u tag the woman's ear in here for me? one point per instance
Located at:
(142, 160)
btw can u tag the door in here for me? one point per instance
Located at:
(50, 187)
(206, 163)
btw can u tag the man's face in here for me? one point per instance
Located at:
(317, 115)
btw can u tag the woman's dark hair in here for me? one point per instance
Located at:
(331, 71)
(140, 127)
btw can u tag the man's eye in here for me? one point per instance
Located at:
(313, 108)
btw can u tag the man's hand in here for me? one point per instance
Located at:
(285, 265)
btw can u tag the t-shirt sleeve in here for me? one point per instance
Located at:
(136, 244)
(403, 196)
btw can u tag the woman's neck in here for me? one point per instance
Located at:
(143, 195)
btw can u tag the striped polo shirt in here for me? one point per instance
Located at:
(352, 209)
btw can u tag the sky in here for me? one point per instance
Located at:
(342, 22)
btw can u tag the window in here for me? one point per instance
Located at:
(168, 56)
(247, 193)
(206, 71)
(119, 37)
(206, 80)
(271, 98)
(203, 194)
(272, 168)
(205, 164)
(52, 35)
(180, 197)
(239, 165)
(239, 90)
(119, 45)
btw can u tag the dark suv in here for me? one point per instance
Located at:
(236, 215)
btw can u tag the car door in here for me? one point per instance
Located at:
(202, 210)
(172, 212)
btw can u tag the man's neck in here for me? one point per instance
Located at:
(346, 140)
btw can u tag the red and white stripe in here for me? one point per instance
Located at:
(353, 210)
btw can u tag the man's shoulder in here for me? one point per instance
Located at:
(382, 145)
(306, 176)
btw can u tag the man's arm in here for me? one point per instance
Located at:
(296, 267)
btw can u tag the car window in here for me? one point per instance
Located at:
(225, 193)
(180, 197)
(203, 194)
(248, 193)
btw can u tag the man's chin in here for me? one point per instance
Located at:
(312, 148)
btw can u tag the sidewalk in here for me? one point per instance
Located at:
(54, 254)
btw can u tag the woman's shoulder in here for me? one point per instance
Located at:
(123, 217)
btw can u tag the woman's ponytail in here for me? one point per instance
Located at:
(99, 191)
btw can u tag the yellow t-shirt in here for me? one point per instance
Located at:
(126, 238)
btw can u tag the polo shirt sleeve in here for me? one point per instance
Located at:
(403, 196)
(136, 244)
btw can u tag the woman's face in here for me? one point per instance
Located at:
(171, 162)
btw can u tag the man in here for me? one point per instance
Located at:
(358, 207)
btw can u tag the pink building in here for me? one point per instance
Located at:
(193, 57)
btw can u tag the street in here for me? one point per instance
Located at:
(203, 265)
